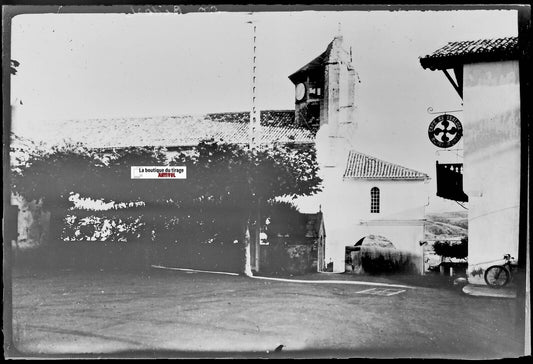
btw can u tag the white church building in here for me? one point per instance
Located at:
(362, 195)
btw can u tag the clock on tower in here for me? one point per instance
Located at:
(300, 91)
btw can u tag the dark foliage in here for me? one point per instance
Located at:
(54, 176)
(451, 249)
(225, 186)
(285, 220)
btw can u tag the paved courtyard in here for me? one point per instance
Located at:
(177, 314)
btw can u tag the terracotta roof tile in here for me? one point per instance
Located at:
(455, 53)
(362, 166)
(171, 131)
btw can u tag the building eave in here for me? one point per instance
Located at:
(451, 62)
(457, 54)
(420, 179)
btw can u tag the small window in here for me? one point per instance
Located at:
(315, 92)
(374, 200)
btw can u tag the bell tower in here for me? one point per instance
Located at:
(325, 89)
(325, 102)
(309, 94)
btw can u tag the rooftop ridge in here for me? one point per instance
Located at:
(385, 172)
(170, 131)
(167, 116)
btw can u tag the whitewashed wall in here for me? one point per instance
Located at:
(345, 204)
(491, 162)
(348, 218)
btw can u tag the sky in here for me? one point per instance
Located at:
(83, 66)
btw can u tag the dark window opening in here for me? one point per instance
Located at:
(374, 200)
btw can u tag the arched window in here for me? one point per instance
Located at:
(374, 200)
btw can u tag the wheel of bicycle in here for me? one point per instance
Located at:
(497, 276)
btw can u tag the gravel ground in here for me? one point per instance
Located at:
(176, 314)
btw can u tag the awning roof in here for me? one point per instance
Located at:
(455, 54)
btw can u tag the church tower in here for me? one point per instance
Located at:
(325, 88)
(325, 92)
(361, 195)
(325, 96)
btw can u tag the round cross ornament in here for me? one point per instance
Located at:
(445, 131)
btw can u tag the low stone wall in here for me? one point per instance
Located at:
(284, 259)
(377, 260)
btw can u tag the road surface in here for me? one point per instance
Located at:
(179, 314)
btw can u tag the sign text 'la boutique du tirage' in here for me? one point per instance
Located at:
(161, 172)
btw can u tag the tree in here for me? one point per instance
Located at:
(225, 185)
(53, 177)
(243, 179)
(450, 249)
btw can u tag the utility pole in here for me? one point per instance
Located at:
(255, 121)
(252, 245)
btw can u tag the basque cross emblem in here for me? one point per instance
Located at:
(445, 131)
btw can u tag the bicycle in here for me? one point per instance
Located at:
(498, 276)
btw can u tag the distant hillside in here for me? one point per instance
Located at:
(446, 225)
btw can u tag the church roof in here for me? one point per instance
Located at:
(170, 131)
(362, 166)
(454, 54)
(315, 64)
(333, 53)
